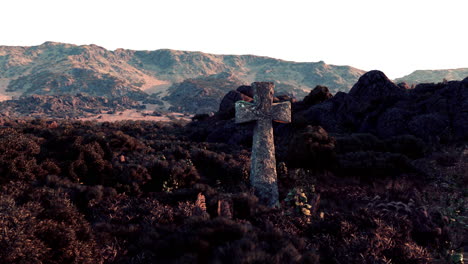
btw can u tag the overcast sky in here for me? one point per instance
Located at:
(397, 36)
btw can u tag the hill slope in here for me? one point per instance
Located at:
(58, 68)
(435, 76)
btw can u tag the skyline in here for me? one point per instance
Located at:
(395, 37)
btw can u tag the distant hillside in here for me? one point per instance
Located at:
(434, 76)
(65, 106)
(201, 95)
(57, 68)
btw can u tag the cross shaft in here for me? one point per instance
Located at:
(263, 162)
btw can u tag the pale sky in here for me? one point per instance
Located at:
(397, 36)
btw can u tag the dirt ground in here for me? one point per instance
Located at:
(143, 115)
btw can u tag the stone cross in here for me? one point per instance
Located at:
(263, 163)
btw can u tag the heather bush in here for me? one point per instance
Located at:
(365, 237)
(177, 173)
(311, 148)
(124, 143)
(222, 168)
(18, 154)
(358, 142)
(408, 145)
(373, 164)
(226, 241)
(41, 225)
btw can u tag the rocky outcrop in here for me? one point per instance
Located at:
(433, 113)
(375, 85)
(340, 113)
(355, 111)
(375, 105)
(377, 130)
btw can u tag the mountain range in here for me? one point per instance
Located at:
(184, 81)
(174, 77)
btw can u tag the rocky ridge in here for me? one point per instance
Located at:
(435, 76)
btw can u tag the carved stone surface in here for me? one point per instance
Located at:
(262, 111)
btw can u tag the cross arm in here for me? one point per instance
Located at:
(281, 112)
(245, 112)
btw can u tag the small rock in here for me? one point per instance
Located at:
(317, 95)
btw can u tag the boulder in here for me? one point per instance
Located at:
(284, 98)
(393, 122)
(317, 95)
(375, 85)
(465, 81)
(321, 115)
(429, 127)
(341, 113)
(227, 106)
(246, 90)
(404, 85)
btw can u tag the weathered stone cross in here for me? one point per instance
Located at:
(263, 163)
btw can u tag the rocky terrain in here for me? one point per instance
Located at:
(434, 76)
(376, 175)
(57, 68)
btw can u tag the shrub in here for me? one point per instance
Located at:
(373, 164)
(408, 145)
(311, 148)
(43, 226)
